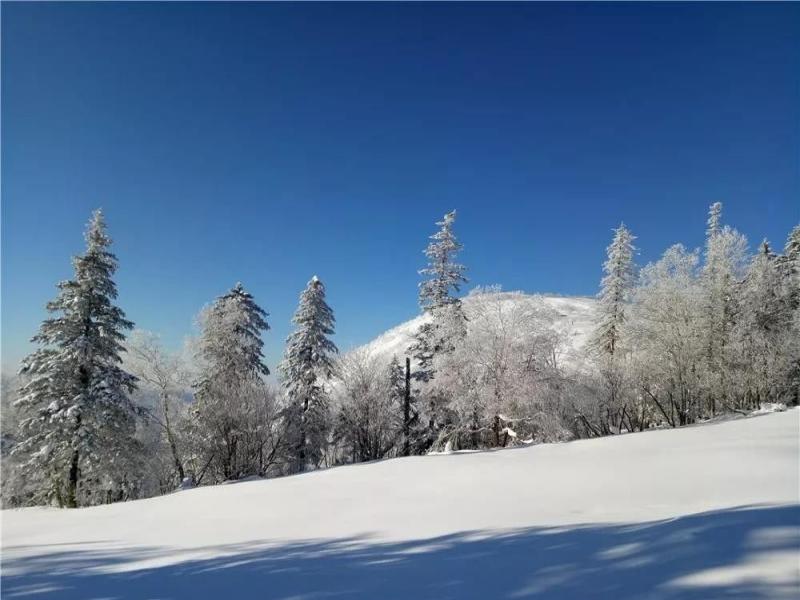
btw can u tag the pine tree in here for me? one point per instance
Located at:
(447, 325)
(306, 366)
(77, 396)
(231, 344)
(444, 278)
(232, 359)
(397, 377)
(619, 278)
(616, 287)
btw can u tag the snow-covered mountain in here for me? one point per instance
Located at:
(708, 511)
(576, 317)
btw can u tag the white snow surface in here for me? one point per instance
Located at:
(708, 511)
(576, 318)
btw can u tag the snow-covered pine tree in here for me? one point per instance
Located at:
(447, 324)
(444, 277)
(615, 289)
(232, 359)
(397, 377)
(305, 369)
(80, 418)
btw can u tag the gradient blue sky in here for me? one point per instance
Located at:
(265, 143)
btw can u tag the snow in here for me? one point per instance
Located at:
(770, 407)
(575, 321)
(708, 511)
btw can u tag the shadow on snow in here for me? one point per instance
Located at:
(645, 560)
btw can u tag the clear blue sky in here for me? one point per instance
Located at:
(265, 143)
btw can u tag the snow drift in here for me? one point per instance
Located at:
(708, 511)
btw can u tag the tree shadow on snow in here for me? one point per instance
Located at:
(655, 560)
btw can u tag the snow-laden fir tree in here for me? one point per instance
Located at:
(447, 325)
(396, 375)
(231, 386)
(80, 420)
(615, 289)
(725, 262)
(305, 370)
(444, 277)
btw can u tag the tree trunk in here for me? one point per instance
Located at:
(407, 410)
(172, 445)
(72, 484)
(74, 472)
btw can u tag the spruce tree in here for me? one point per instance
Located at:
(231, 345)
(620, 274)
(77, 396)
(232, 359)
(446, 327)
(444, 277)
(615, 286)
(305, 369)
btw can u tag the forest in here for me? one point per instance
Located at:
(102, 412)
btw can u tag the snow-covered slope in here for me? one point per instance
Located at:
(709, 511)
(575, 319)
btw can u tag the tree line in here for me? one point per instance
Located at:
(96, 415)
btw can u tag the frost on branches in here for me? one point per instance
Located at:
(439, 336)
(78, 433)
(610, 355)
(232, 403)
(725, 265)
(305, 369)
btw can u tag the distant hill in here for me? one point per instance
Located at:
(575, 319)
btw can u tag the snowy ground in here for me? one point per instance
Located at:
(710, 511)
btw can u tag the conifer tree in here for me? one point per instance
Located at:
(306, 366)
(440, 335)
(616, 285)
(77, 396)
(444, 278)
(228, 392)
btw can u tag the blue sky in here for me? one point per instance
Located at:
(265, 143)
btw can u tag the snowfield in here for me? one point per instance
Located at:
(708, 511)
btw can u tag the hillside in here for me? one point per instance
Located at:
(708, 511)
(575, 318)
